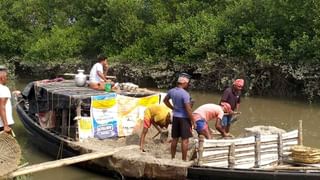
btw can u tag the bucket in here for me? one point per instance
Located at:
(107, 87)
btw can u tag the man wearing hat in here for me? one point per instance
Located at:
(6, 118)
(157, 115)
(207, 112)
(182, 115)
(232, 96)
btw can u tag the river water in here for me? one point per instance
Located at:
(282, 113)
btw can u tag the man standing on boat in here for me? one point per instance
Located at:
(208, 112)
(6, 118)
(97, 79)
(182, 115)
(232, 96)
(157, 115)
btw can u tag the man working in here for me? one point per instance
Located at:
(6, 118)
(182, 115)
(208, 112)
(232, 96)
(97, 79)
(159, 116)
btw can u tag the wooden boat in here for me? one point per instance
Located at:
(69, 103)
(256, 157)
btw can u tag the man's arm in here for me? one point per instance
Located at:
(219, 127)
(3, 114)
(102, 76)
(189, 111)
(167, 102)
(156, 126)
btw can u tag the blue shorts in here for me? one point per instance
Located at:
(201, 125)
(226, 120)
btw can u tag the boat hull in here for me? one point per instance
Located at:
(204, 173)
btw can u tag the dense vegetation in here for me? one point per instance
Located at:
(49, 34)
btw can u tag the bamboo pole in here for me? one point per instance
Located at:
(300, 138)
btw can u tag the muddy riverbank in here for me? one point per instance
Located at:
(262, 79)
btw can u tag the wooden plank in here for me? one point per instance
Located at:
(227, 142)
(291, 134)
(200, 150)
(280, 149)
(231, 156)
(66, 161)
(59, 163)
(257, 151)
(300, 139)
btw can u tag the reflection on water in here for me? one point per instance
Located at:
(281, 113)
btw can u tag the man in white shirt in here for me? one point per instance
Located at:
(6, 118)
(97, 78)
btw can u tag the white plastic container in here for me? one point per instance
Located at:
(80, 78)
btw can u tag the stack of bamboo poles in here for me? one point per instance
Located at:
(10, 154)
(305, 154)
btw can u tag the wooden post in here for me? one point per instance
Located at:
(200, 150)
(280, 149)
(232, 156)
(300, 138)
(257, 150)
(64, 122)
(78, 111)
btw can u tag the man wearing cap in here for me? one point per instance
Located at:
(182, 115)
(6, 118)
(232, 96)
(159, 116)
(208, 112)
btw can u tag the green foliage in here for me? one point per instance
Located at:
(61, 45)
(148, 31)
